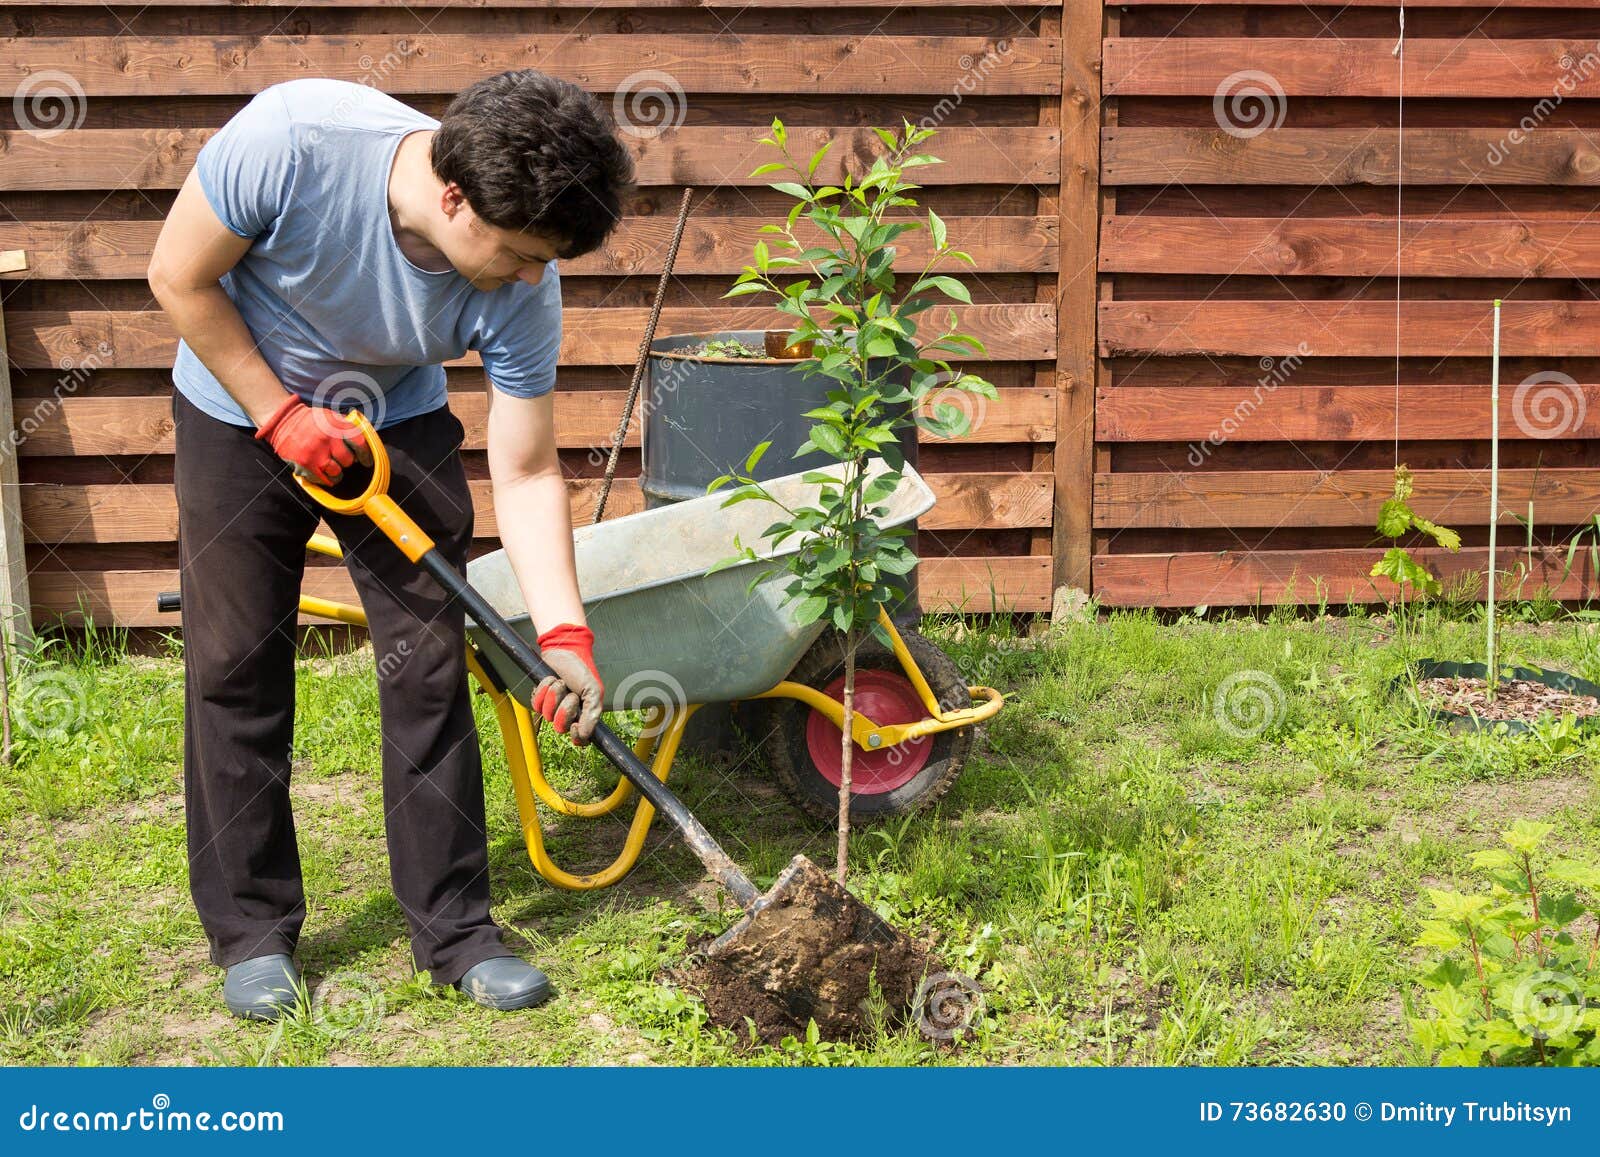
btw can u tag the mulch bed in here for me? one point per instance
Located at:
(1520, 700)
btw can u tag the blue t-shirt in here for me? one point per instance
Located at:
(336, 309)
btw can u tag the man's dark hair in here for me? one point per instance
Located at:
(533, 152)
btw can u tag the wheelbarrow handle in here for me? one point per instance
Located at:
(420, 549)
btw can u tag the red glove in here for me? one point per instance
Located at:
(573, 697)
(319, 442)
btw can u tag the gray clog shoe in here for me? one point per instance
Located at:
(505, 982)
(263, 988)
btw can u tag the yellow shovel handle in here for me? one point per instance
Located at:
(374, 501)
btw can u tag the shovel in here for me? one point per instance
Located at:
(805, 950)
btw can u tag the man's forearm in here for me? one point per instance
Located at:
(534, 515)
(206, 319)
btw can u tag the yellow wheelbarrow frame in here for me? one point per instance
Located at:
(658, 743)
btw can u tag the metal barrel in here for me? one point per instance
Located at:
(702, 417)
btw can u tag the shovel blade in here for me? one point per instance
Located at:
(809, 950)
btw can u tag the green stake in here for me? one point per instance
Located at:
(1492, 673)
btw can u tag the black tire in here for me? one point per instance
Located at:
(788, 754)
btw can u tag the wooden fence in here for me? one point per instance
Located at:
(1260, 173)
(1191, 313)
(83, 194)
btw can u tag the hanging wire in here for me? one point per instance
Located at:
(1399, 52)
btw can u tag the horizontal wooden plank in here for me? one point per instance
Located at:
(1348, 156)
(601, 62)
(1237, 69)
(587, 418)
(689, 5)
(105, 159)
(119, 339)
(962, 584)
(1271, 498)
(1541, 408)
(1577, 4)
(128, 512)
(1548, 329)
(93, 250)
(1269, 577)
(1347, 246)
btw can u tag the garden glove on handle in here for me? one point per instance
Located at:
(570, 694)
(318, 442)
(572, 698)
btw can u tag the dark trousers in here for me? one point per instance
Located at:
(242, 528)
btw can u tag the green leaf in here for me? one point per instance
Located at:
(828, 440)
(949, 286)
(755, 456)
(1492, 858)
(816, 158)
(1558, 911)
(936, 229)
(1525, 835)
(1573, 872)
(1398, 566)
(1443, 535)
(744, 495)
(793, 190)
(1501, 1033)
(881, 487)
(1394, 518)
(810, 611)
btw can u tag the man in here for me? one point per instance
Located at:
(333, 247)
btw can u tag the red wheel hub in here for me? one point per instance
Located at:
(883, 697)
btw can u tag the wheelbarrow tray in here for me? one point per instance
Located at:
(666, 632)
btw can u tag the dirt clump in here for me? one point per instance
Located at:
(808, 951)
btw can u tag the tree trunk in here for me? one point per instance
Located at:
(846, 750)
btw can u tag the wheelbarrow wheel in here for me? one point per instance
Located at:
(803, 746)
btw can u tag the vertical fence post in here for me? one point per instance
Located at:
(17, 621)
(1073, 520)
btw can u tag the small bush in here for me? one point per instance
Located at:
(1514, 985)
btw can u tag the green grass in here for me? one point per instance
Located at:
(1136, 871)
